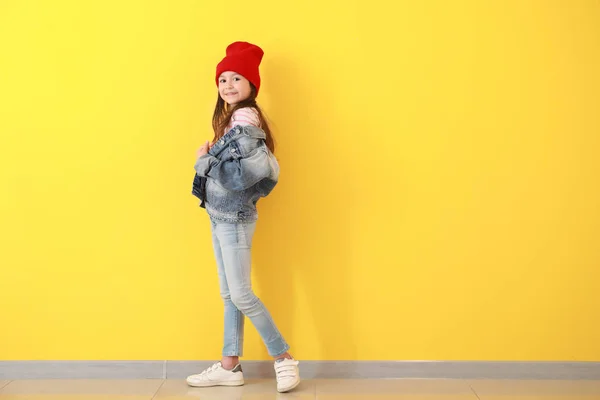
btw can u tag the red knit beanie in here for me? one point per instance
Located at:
(243, 58)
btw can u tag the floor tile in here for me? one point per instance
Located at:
(81, 389)
(418, 389)
(536, 389)
(334, 389)
(254, 389)
(394, 396)
(74, 396)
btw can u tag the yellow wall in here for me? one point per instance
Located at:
(439, 193)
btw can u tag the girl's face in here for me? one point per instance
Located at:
(233, 87)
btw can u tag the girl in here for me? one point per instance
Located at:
(232, 174)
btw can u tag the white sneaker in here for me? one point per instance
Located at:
(288, 374)
(217, 376)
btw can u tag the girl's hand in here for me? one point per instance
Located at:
(204, 149)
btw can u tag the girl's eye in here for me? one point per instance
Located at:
(222, 80)
(236, 79)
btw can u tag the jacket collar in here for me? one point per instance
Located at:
(249, 130)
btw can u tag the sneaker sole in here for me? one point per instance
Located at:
(212, 384)
(294, 386)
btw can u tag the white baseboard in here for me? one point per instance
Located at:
(164, 369)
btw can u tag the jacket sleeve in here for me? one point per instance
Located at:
(236, 174)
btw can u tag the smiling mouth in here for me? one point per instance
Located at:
(230, 94)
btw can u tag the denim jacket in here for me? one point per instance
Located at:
(236, 172)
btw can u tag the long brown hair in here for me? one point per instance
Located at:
(223, 113)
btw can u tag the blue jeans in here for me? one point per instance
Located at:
(232, 243)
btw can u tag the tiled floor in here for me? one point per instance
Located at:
(368, 389)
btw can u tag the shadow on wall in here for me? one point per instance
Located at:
(300, 249)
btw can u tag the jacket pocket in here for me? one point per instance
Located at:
(235, 150)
